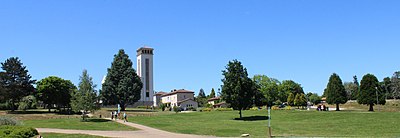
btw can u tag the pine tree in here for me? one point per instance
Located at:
(84, 99)
(15, 81)
(369, 92)
(122, 85)
(335, 91)
(212, 93)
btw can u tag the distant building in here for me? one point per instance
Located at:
(145, 72)
(180, 98)
(216, 102)
(157, 98)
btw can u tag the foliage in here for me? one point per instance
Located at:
(122, 85)
(287, 87)
(335, 91)
(395, 85)
(385, 86)
(85, 98)
(4, 120)
(223, 109)
(238, 89)
(15, 81)
(290, 99)
(278, 102)
(55, 90)
(300, 100)
(201, 99)
(176, 109)
(28, 102)
(268, 88)
(351, 90)
(207, 109)
(212, 93)
(17, 132)
(314, 98)
(355, 92)
(162, 106)
(369, 92)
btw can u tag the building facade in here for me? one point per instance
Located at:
(180, 98)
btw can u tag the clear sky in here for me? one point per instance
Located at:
(302, 40)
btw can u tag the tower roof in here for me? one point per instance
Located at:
(144, 50)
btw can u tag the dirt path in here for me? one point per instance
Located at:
(144, 132)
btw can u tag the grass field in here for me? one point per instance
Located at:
(284, 123)
(75, 123)
(58, 135)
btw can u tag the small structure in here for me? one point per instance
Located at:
(214, 100)
(217, 102)
(181, 98)
(157, 98)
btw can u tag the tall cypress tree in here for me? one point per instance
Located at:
(369, 92)
(15, 80)
(335, 91)
(122, 85)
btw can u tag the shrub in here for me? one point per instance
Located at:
(17, 132)
(288, 108)
(28, 102)
(275, 107)
(207, 109)
(254, 109)
(191, 109)
(223, 109)
(4, 120)
(176, 109)
(4, 106)
(143, 107)
(162, 106)
(278, 102)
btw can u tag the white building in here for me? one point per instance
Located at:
(145, 72)
(181, 98)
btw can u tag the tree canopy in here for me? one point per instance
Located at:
(201, 98)
(369, 92)
(268, 88)
(335, 91)
(212, 93)
(54, 90)
(15, 81)
(122, 85)
(287, 87)
(238, 89)
(84, 99)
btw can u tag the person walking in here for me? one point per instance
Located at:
(125, 117)
(115, 115)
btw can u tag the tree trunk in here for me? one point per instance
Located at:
(12, 106)
(240, 113)
(337, 107)
(371, 107)
(48, 106)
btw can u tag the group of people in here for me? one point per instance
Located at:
(321, 108)
(115, 115)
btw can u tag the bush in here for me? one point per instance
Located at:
(223, 109)
(288, 108)
(143, 107)
(191, 109)
(207, 109)
(162, 106)
(176, 109)
(4, 106)
(4, 120)
(254, 109)
(275, 107)
(17, 132)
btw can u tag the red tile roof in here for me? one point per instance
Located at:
(177, 91)
(185, 100)
(160, 93)
(214, 99)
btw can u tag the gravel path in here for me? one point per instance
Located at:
(144, 132)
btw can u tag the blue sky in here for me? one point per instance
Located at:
(302, 40)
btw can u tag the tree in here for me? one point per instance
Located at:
(54, 90)
(27, 102)
(300, 100)
(15, 81)
(84, 99)
(355, 92)
(335, 91)
(351, 89)
(287, 87)
(385, 85)
(122, 85)
(395, 85)
(201, 98)
(290, 99)
(212, 93)
(268, 88)
(314, 98)
(238, 89)
(369, 92)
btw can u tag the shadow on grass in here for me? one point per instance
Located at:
(252, 118)
(37, 112)
(97, 120)
(136, 110)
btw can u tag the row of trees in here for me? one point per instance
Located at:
(202, 98)
(16, 87)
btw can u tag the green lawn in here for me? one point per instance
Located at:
(284, 123)
(75, 123)
(58, 135)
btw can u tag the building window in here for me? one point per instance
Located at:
(147, 65)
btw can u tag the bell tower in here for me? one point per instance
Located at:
(145, 72)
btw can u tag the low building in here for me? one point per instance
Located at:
(181, 98)
(157, 98)
(214, 100)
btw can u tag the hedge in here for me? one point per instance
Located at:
(17, 132)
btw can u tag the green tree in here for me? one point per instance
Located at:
(122, 85)
(54, 90)
(84, 99)
(355, 91)
(238, 89)
(335, 91)
(369, 92)
(300, 100)
(314, 98)
(395, 85)
(268, 88)
(290, 99)
(27, 102)
(351, 89)
(15, 81)
(201, 98)
(386, 86)
(212, 93)
(287, 87)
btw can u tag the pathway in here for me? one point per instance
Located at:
(144, 132)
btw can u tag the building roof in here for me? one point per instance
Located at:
(214, 99)
(177, 91)
(160, 93)
(187, 99)
(219, 104)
